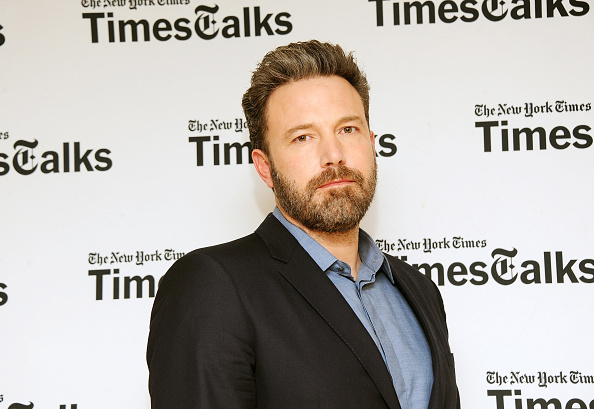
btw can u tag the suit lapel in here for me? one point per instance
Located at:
(426, 317)
(310, 281)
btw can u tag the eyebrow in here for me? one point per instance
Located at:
(311, 125)
(298, 128)
(351, 118)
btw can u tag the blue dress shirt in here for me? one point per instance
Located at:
(383, 311)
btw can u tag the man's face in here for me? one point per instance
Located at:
(321, 156)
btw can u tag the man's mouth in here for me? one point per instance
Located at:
(336, 183)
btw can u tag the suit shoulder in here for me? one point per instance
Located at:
(233, 250)
(220, 256)
(207, 273)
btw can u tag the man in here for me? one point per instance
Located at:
(306, 312)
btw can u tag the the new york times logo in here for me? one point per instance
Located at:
(504, 270)
(449, 11)
(542, 379)
(207, 24)
(531, 109)
(71, 158)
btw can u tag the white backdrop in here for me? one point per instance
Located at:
(101, 187)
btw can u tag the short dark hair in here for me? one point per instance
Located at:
(293, 62)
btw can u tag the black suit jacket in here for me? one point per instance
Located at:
(255, 323)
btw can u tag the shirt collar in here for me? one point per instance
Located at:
(370, 254)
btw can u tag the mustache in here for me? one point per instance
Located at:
(333, 173)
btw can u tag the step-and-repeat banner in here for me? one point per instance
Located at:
(123, 146)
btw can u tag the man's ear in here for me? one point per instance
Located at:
(372, 136)
(262, 165)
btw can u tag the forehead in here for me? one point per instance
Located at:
(313, 100)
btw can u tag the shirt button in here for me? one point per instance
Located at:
(340, 268)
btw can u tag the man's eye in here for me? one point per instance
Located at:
(348, 129)
(302, 138)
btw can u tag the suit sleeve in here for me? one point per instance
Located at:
(200, 348)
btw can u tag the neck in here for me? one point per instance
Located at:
(344, 245)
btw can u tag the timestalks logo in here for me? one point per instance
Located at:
(3, 295)
(250, 21)
(31, 405)
(540, 403)
(122, 285)
(243, 151)
(551, 269)
(449, 11)
(222, 153)
(497, 135)
(72, 158)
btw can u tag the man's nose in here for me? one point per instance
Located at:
(332, 151)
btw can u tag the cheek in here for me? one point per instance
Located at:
(296, 173)
(300, 168)
(364, 155)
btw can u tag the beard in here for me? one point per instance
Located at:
(337, 210)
